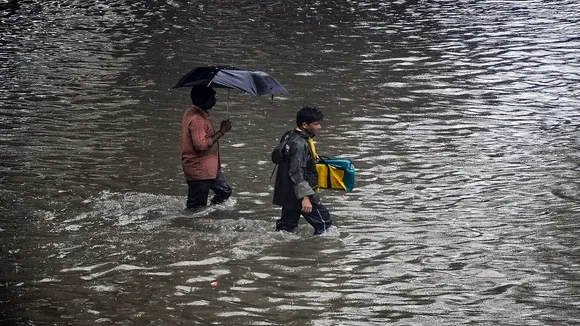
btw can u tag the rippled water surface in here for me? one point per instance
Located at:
(461, 118)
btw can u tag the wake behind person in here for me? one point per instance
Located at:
(200, 151)
(296, 183)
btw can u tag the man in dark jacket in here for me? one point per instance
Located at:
(297, 180)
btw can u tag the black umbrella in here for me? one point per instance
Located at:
(252, 82)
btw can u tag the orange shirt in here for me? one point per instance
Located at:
(199, 156)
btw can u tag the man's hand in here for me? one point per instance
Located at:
(225, 126)
(306, 205)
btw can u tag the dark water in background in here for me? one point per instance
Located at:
(460, 116)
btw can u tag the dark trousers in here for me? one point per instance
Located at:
(198, 191)
(319, 218)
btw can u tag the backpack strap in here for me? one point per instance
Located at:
(271, 174)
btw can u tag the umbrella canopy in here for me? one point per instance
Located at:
(252, 82)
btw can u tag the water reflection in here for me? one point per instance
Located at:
(460, 117)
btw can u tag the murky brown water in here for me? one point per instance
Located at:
(460, 116)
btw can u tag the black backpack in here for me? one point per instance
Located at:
(280, 152)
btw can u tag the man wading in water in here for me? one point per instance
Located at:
(296, 179)
(200, 151)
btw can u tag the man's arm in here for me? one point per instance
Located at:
(200, 139)
(301, 187)
(225, 126)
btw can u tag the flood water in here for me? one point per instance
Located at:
(461, 118)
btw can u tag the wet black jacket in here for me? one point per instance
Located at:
(296, 177)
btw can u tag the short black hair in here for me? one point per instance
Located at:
(201, 94)
(308, 114)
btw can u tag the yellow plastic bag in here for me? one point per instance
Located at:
(330, 177)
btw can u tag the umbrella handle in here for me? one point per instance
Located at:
(228, 104)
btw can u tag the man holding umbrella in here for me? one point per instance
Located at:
(200, 150)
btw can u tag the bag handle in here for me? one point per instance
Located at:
(323, 158)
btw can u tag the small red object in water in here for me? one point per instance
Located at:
(214, 283)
